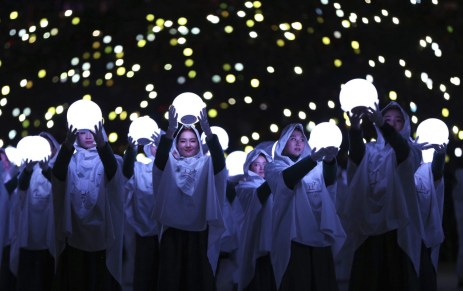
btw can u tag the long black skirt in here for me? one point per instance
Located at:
(428, 276)
(264, 279)
(381, 265)
(183, 261)
(7, 278)
(309, 269)
(145, 277)
(35, 271)
(83, 271)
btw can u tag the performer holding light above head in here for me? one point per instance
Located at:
(88, 204)
(190, 190)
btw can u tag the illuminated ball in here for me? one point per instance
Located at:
(84, 114)
(432, 131)
(325, 134)
(34, 148)
(234, 162)
(13, 155)
(358, 92)
(188, 106)
(221, 134)
(142, 128)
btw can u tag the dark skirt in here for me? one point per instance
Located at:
(35, 271)
(145, 277)
(7, 279)
(380, 264)
(264, 279)
(428, 276)
(183, 261)
(309, 269)
(83, 271)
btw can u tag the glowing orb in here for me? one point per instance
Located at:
(432, 131)
(34, 148)
(221, 134)
(84, 114)
(234, 162)
(325, 134)
(188, 106)
(142, 128)
(13, 155)
(358, 92)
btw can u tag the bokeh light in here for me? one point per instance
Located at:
(258, 66)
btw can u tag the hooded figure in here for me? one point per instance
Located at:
(457, 195)
(139, 205)
(429, 181)
(33, 235)
(255, 227)
(381, 212)
(4, 209)
(88, 198)
(9, 180)
(306, 229)
(189, 190)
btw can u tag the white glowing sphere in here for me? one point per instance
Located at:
(84, 114)
(358, 92)
(221, 134)
(13, 155)
(188, 106)
(142, 128)
(325, 134)
(432, 131)
(234, 162)
(33, 148)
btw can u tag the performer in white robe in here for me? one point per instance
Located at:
(429, 180)
(88, 194)
(306, 229)
(139, 216)
(381, 213)
(190, 189)
(4, 210)
(9, 180)
(33, 235)
(457, 196)
(255, 270)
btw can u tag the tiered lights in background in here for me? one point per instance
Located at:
(257, 65)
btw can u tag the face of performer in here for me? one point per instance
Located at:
(85, 139)
(258, 165)
(394, 118)
(295, 144)
(187, 143)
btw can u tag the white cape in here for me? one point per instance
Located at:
(89, 209)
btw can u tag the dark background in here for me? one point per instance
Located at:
(215, 54)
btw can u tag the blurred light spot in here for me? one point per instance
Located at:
(274, 128)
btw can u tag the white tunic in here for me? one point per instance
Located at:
(140, 200)
(89, 208)
(190, 197)
(381, 196)
(430, 195)
(305, 214)
(4, 214)
(34, 227)
(255, 226)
